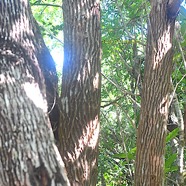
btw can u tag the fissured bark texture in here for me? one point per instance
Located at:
(80, 100)
(28, 155)
(149, 169)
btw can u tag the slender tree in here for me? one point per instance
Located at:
(80, 99)
(28, 155)
(155, 95)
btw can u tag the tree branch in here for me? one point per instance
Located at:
(122, 90)
(46, 4)
(111, 102)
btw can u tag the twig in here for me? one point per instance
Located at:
(46, 4)
(122, 90)
(173, 93)
(50, 33)
(111, 102)
(182, 54)
(172, 181)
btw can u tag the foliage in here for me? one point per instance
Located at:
(48, 14)
(124, 28)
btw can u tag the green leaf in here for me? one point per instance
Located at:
(172, 135)
(171, 169)
(120, 155)
(130, 155)
(170, 160)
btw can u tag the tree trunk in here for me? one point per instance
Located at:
(28, 155)
(80, 100)
(154, 105)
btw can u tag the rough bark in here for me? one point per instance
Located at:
(28, 155)
(80, 100)
(149, 168)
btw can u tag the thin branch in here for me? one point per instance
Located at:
(50, 33)
(47, 4)
(122, 134)
(111, 102)
(122, 90)
(174, 91)
(129, 69)
(172, 181)
(123, 21)
(132, 122)
(182, 54)
(128, 117)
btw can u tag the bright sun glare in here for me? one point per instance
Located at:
(58, 57)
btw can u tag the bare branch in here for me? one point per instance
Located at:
(46, 4)
(122, 90)
(111, 102)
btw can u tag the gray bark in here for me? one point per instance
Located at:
(28, 155)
